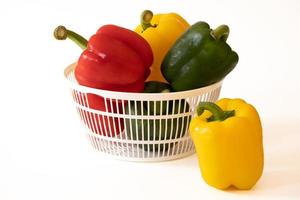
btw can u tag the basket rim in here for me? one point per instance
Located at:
(139, 96)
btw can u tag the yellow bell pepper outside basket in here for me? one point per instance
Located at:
(228, 141)
(161, 31)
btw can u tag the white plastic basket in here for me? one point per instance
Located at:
(139, 126)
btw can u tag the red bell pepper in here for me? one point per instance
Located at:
(115, 59)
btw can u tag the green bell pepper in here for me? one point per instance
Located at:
(156, 129)
(156, 87)
(199, 58)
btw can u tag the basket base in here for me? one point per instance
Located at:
(137, 153)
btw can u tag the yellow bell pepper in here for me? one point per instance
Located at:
(228, 143)
(161, 32)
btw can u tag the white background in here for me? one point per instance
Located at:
(43, 150)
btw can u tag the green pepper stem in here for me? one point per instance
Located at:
(61, 33)
(220, 33)
(165, 91)
(146, 18)
(217, 113)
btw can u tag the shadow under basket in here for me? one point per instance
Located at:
(139, 126)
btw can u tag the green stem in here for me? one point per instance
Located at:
(61, 33)
(217, 113)
(220, 33)
(146, 18)
(165, 91)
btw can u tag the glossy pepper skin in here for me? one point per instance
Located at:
(115, 59)
(161, 32)
(199, 58)
(228, 143)
(156, 129)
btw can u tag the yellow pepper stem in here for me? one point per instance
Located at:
(217, 113)
(61, 33)
(146, 18)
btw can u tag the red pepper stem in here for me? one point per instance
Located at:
(61, 33)
(220, 33)
(217, 113)
(146, 18)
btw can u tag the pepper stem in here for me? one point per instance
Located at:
(146, 18)
(220, 33)
(217, 113)
(61, 33)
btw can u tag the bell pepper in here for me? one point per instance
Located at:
(157, 129)
(115, 59)
(228, 140)
(156, 87)
(161, 32)
(199, 58)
